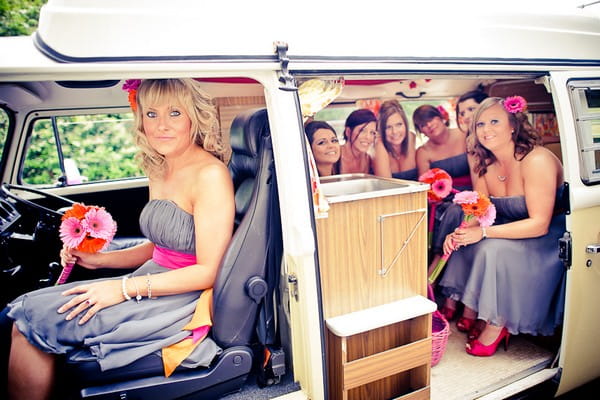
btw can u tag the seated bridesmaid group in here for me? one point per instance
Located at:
(491, 271)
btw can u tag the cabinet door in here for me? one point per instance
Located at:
(577, 102)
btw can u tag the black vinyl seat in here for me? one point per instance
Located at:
(239, 290)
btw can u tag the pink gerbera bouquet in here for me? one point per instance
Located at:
(440, 187)
(85, 228)
(440, 182)
(475, 206)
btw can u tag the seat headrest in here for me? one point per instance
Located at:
(246, 130)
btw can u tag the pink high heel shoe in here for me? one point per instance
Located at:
(475, 348)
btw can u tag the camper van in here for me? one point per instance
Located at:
(322, 293)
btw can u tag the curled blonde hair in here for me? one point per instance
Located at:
(199, 106)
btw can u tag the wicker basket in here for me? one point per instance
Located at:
(440, 330)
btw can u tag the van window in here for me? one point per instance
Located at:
(93, 147)
(586, 100)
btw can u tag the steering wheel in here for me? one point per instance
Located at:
(6, 192)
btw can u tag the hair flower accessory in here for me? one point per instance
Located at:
(443, 112)
(474, 206)
(131, 86)
(515, 104)
(85, 228)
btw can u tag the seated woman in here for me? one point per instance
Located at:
(445, 148)
(398, 141)
(325, 147)
(117, 321)
(359, 152)
(508, 275)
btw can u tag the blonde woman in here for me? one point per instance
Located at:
(188, 227)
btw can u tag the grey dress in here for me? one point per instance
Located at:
(517, 283)
(125, 332)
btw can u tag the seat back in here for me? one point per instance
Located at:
(242, 280)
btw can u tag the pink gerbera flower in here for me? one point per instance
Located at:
(99, 224)
(515, 104)
(466, 197)
(72, 232)
(442, 188)
(489, 217)
(427, 176)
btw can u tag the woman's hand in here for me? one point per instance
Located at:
(91, 298)
(463, 237)
(449, 244)
(86, 260)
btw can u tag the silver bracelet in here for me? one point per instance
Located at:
(124, 287)
(149, 286)
(138, 296)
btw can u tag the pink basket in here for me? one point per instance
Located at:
(440, 330)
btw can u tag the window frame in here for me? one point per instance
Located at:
(589, 174)
(29, 125)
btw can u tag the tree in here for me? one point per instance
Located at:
(19, 17)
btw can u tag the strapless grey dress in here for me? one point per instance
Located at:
(125, 332)
(517, 283)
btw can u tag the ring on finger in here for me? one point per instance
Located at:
(88, 302)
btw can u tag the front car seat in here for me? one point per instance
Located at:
(239, 290)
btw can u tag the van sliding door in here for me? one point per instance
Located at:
(577, 101)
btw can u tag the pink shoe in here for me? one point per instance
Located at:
(475, 348)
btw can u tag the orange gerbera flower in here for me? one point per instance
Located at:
(478, 209)
(77, 211)
(131, 98)
(91, 244)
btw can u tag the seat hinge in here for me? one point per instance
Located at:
(287, 80)
(565, 249)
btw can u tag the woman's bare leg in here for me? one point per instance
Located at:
(30, 370)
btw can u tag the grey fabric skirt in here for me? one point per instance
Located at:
(115, 336)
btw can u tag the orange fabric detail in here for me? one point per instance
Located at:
(174, 354)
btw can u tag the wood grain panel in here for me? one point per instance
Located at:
(351, 242)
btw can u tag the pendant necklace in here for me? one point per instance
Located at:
(501, 178)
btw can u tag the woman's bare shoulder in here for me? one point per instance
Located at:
(540, 156)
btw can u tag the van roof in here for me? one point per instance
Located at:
(550, 31)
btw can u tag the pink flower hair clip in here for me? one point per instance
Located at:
(515, 104)
(131, 86)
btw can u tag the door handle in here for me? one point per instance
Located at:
(593, 248)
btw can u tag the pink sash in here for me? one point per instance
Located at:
(172, 259)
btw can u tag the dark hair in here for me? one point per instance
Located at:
(424, 114)
(359, 117)
(387, 109)
(310, 129)
(477, 95)
(524, 135)
(313, 126)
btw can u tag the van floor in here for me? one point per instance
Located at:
(459, 375)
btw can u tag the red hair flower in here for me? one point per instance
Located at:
(444, 113)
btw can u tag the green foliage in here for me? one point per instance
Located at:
(19, 17)
(101, 145)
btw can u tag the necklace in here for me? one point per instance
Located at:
(501, 178)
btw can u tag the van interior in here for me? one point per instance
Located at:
(29, 253)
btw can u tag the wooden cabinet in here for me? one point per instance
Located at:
(373, 270)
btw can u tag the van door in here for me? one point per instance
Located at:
(577, 101)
